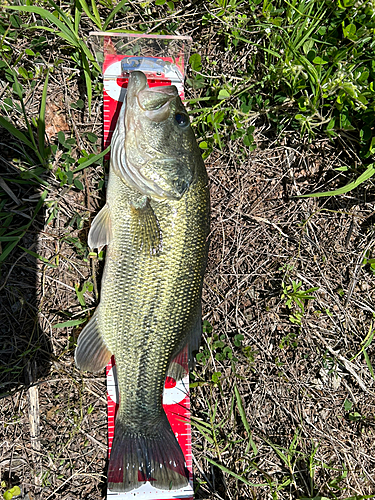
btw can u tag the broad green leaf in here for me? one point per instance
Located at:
(319, 60)
(78, 184)
(61, 137)
(72, 322)
(347, 405)
(92, 137)
(350, 89)
(223, 94)
(349, 31)
(195, 62)
(331, 124)
(15, 490)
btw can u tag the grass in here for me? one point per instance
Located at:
(281, 98)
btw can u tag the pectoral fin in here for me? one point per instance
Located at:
(91, 353)
(145, 227)
(100, 233)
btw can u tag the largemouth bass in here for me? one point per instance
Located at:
(156, 224)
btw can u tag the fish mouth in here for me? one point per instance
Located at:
(137, 82)
(154, 101)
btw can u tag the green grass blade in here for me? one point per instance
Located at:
(277, 450)
(40, 203)
(9, 238)
(96, 14)
(203, 432)
(72, 322)
(368, 363)
(87, 73)
(241, 409)
(39, 257)
(118, 7)
(233, 474)
(88, 13)
(58, 33)
(242, 412)
(77, 16)
(8, 249)
(41, 119)
(11, 245)
(15, 132)
(66, 18)
(349, 187)
(67, 31)
(91, 160)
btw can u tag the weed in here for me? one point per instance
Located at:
(295, 297)
(369, 262)
(28, 140)
(365, 344)
(10, 493)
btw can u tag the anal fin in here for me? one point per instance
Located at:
(145, 227)
(91, 353)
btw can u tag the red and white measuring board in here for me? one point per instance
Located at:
(176, 399)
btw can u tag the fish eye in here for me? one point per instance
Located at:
(182, 120)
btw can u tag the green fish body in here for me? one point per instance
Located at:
(156, 224)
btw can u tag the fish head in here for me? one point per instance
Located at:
(160, 146)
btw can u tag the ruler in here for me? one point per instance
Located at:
(176, 400)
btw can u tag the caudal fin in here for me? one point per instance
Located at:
(137, 458)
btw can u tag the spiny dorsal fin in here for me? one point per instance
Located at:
(145, 227)
(91, 353)
(100, 233)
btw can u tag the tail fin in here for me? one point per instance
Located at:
(137, 458)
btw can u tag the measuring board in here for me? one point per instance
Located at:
(176, 400)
